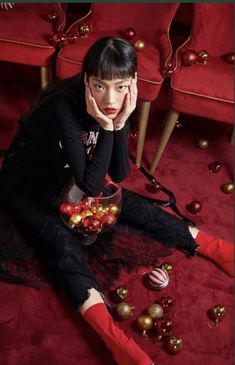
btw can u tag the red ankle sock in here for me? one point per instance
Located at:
(124, 350)
(218, 250)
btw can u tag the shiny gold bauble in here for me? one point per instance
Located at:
(75, 220)
(86, 213)
(203, 143)
(228, 188)
(121, 292)
(124, 310)
(218, 311)
(97, 208)
(203, 56)
(113, 209)
(155, 311)
(167, 267)
(84, 30)
(139, 45)
(144, 323)
(174, 344)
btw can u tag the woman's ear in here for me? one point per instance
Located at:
(85, 79)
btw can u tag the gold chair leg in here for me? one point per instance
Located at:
(170, 122)
(142, 127)
(45, 76)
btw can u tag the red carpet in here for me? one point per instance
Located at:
(38, 327)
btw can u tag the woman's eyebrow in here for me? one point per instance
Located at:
(117, 82)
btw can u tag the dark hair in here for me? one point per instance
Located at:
(110, 58)
(107, 58)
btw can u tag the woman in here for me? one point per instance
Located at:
(79, 128)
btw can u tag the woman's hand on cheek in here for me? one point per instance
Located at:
(93, 110)
(129, 105)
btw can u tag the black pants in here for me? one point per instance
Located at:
(62, 251)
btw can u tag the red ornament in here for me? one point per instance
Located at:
(129, 33)
(166, 302)
(189, 57)
(163, 327)
(94, 225)
(154, 187)
(194, 207)
(215, 167)
(108, 220)
(52, 16)
(66, 209)
(229, 58)
(72, 37)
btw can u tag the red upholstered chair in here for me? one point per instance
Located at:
(26, 32)
(203, 89)
(151, 22)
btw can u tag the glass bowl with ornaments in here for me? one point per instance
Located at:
(90, 216)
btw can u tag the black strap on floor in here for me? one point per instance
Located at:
(171, 202)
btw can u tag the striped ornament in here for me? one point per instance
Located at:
(158, 278)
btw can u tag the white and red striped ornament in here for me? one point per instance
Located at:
(158, 278)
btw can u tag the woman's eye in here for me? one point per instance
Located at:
(99, 87)
(122, 87)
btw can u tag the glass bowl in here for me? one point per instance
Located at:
(90, 216)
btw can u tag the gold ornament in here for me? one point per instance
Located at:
(113, 209)
(121, 292)
(86, 213)
(84, 30)
(228, 188)
(75, 220)
(203, 56)
(144, 323)
(218, 311)
(124, 310)
(203, 143)
(174, 344)
(155, 311)
(139, 45)
(167, 267)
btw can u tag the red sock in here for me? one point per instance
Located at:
(124, 350)
(218, 250)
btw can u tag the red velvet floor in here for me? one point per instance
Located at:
(38, 327)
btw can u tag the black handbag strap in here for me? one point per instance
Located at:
(171, 202)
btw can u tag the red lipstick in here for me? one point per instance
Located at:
(110, 110)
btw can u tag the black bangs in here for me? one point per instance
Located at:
(110, 58)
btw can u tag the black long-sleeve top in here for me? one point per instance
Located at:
(68, 138)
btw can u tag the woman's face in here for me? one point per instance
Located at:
(109, 94)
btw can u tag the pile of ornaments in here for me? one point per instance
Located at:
(91, 214)
(155, 322)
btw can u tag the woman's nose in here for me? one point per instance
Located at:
(110, 97)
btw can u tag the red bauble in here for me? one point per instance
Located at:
(189, 57)
(215, 167)
(229, 58)
(154, 187)
(194, 207)
(94, 225)
(108, 220)
(66, 209)
(163, 327)
(52, 16)
(129, 33)
(166, 302)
